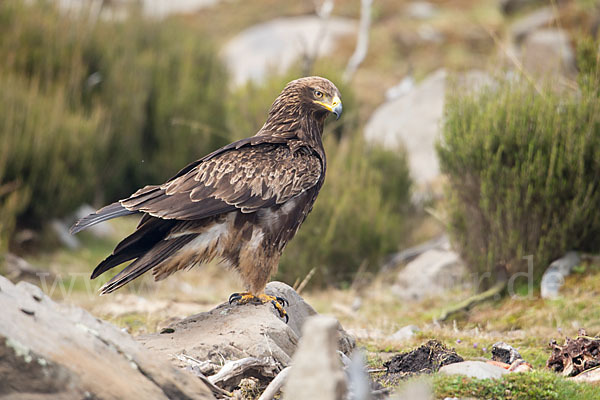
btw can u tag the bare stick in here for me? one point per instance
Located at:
(362, 42)
(306, 280)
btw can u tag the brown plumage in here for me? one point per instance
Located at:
(240, 204)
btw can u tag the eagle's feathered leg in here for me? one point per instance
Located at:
(256, 262)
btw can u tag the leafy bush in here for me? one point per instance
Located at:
(94, 109)
(524, 173)
(47, 153)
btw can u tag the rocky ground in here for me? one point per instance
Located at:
(182, 325)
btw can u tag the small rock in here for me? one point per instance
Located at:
(505, 353)
(405, 333)
(62, 233)
(316, 369)
(589, 376)
(529, 23)
(548, 52)
(554, 276)
(429, 34)
(420, 10)
(430, 274)
(474, 369)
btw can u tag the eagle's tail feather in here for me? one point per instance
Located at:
(151, 259)
(150, 232)
(113, 260)
(111, 211)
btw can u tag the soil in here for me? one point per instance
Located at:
(426, 359)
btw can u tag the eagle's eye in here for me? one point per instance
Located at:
(318, 94)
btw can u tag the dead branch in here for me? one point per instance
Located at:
(362, 42)
(234, 371)
(305, 280)
(472, 301)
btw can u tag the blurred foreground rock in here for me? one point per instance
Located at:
(317, 370)
(54, 351)
(240, 332)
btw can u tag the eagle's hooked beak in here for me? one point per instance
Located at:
(335, 106)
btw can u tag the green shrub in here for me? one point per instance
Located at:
(524, 173)
(94, 109)
(46, 156)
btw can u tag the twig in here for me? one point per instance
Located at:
(276, 384)
(361, 270)
(469, 303)
(233, 371)
(312, 52)
(9, 187)
(362, 42)
(306, 280)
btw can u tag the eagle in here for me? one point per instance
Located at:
(240, 204)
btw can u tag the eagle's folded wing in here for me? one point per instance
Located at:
(246, 178)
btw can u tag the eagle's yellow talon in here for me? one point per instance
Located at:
(247, 297)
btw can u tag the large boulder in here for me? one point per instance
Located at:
(236, 332)
(414, 120)
(277, 44)
(54, 351)
(430, 274)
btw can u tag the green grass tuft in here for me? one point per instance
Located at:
(537, 385)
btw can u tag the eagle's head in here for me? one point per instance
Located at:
(304, 99)
(315, 95)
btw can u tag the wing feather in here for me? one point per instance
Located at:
(246, 178)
